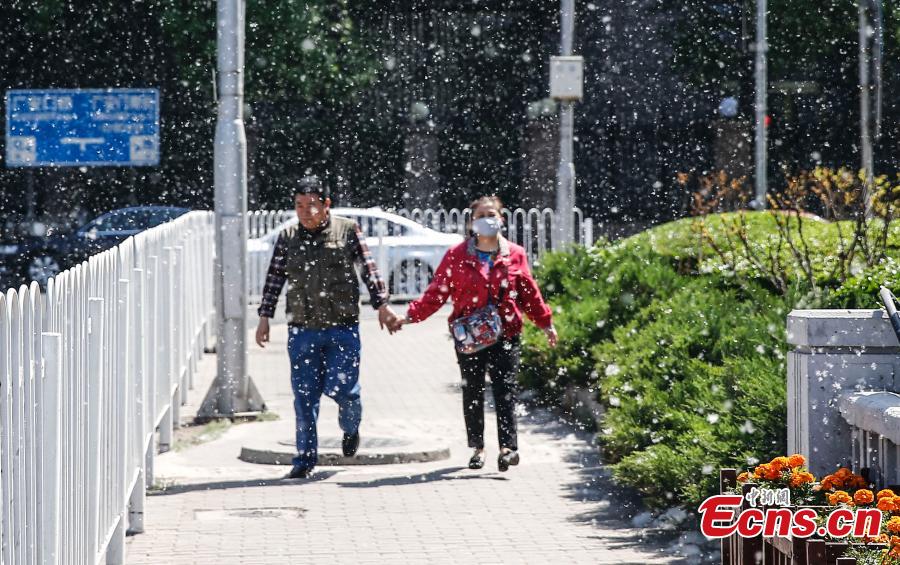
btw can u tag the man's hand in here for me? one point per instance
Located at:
(387, 318)
(262, 331)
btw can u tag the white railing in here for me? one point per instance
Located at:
(261, 222)
(533, 229)
(88, 371)
(406, 276)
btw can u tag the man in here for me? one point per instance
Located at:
(317, 259)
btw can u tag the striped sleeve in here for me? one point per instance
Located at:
(378, 292)
(275, 279)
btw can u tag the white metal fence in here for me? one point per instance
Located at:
(533, 229)
(407, 277)
(88, 370)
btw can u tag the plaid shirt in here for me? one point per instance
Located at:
(277, 274)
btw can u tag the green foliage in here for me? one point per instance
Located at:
(684, 373)
(672, 356)
(308, 51)
(861, 291)
(687, 353)
(712, 40)
(593, 291)
(865, 555)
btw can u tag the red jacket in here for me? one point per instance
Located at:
(460, 278)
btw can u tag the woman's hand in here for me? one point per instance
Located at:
(399, 323)
(552, 336)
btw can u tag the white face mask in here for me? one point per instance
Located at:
(488, 226)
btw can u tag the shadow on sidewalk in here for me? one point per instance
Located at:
(438, 475)
(224, 485)
(606, 503)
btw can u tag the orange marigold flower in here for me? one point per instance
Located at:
(798, 479)
(896, 501)
(857, 482)
(886, 504)
(839, 497)
(743, 477)
(863, 496)
(893, 525)
(843, 473)
(761, 470)
(826, 483)
(780, 463)
(796, 460)
(885, 492)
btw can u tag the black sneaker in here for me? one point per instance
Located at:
(350, 444)
(507, 459)
(477, 460)
(299, 473)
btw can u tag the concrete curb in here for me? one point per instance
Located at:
(330, 459)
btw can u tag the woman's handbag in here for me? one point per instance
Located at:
(480, 329)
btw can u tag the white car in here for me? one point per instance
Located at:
(407, 253)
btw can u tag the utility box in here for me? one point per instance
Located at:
(566, 78)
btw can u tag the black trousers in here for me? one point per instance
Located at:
(501, 362)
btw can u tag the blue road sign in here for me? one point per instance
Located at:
(89, 127)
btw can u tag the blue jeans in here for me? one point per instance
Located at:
(323, 361)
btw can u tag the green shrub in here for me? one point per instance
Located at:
(687, 358)
(592, 292)
(700, 368)
(687, 350)
(861, 291)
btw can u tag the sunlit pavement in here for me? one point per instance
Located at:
(556, 506)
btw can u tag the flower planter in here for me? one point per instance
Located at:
(777, 550)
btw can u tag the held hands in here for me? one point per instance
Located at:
(401, 321)
(262, 332)
(389, 319)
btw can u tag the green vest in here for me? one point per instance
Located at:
(323, 289)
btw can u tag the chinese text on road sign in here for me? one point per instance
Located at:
(111, 127)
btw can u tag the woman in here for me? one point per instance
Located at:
(488, 269)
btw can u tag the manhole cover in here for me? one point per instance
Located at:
(244, 513)
(365, 442)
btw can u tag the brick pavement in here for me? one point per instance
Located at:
(556, 506)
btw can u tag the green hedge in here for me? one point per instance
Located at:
(687, 358)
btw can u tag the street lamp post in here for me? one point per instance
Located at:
(565, 184)
(762, 48)
(232, 392)
(867, 153)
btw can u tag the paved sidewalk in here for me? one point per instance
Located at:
(556, 506)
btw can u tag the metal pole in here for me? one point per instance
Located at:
(565, 188)
(865, 136)
(762, 48)
(232, 391)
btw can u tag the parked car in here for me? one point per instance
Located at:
(410, 256)
(40, 258)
